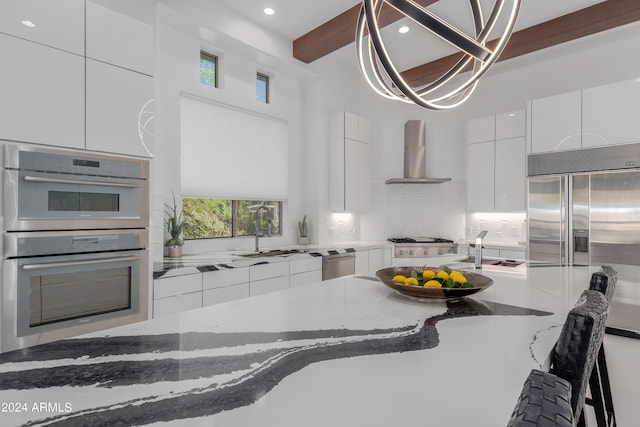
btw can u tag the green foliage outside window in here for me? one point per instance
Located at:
(215, 218)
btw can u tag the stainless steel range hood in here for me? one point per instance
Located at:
(415, 156)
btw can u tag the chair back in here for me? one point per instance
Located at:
(576, 350)
(545, 400)
(605, 282)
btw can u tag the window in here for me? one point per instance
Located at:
(215, 218)
(262, 88)
(208, 69)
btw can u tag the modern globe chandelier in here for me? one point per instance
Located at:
(442, 93)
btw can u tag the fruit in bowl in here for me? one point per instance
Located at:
(430, 279)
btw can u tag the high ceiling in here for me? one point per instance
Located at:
(314, 31)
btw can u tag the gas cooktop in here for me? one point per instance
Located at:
(419, 240)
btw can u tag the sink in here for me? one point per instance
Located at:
(494, 262)
(274, 252)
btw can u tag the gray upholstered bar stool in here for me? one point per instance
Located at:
(576, 350)
(599, 384)
(545, 401)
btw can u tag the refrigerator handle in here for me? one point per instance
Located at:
(568, 235)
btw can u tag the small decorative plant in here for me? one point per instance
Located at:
(303, 238)
(174, 223)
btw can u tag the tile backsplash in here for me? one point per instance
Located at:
(502, 227)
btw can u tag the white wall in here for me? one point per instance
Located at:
(325, 87)
(180, 40)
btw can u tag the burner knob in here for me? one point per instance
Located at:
(400, 252)
(411, 252)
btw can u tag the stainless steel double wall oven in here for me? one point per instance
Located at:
(75, 239)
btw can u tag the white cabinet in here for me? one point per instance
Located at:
(372, 260)
(496, 169)
(224, 285)
(270, 277)
(556, 122)
(120, 39)
(118, 110)
(42, 94)
(481, 129)
(480, 176)
(305, 271)
(349, 163)
(611, 114)
(510, 180)
(59, 24)
(177, 294)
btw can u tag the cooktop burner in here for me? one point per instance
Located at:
(419, 240)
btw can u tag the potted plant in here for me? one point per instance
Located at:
(175, 226)
(303, 237)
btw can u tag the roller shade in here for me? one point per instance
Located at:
(230, 153)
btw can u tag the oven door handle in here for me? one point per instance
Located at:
(73, 263)
(77, 181)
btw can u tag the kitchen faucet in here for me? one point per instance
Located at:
(262, 208)
(478, 256)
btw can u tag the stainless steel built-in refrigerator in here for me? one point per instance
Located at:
(584, 206)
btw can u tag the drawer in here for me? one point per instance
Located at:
(268, 285)
(177, 304)
(267, 271)
(303, 265)
(306, 278)
(224, 294)
(222, 278)
(163, 288)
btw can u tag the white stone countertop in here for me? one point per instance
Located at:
(347, 351)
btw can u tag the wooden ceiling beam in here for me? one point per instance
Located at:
(584, 22)
(339, 32)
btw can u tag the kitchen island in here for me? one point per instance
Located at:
(348, 351)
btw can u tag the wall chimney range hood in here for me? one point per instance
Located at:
(415, 156)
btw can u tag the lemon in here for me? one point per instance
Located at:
(443, 275)
(433, 284)
(399, 279)
(456, 276)
(411, 281)
(428, 275)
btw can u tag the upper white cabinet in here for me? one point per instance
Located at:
(349, 163)
(481, 129)
(556, 122)
(58, 23)
(611, 114)
(510, 179)
(496, 169)
(480, 176)
(119, 110)
(42, 94)
(120, 39)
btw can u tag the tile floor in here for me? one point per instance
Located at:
(623, 361)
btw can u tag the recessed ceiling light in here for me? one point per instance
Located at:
(512, 114)
(404, 29)
(28, 24)
(269, 11)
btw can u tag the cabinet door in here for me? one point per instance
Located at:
(351, 126)
(364, 130)
(510, 125)
(482, 129)
(556, 122)
(171, 286)
(351, 163)
(362, 262)
(118, 38)
(223, 278)
(42, 94)
(480, 177)
(611, 114)
(225, 294)
(510, 174)
(306, 278)
(177, 304)
(260, 287)
(364, 176)
(119, 110)
(58, 23)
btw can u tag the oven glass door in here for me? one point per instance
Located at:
(62, 291)
(48, 201)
